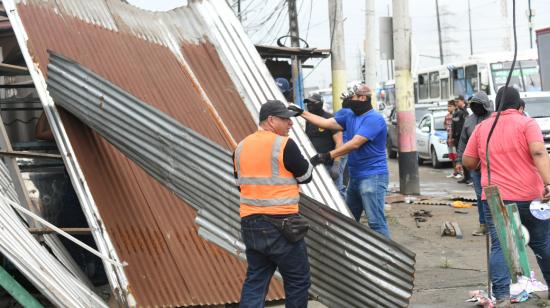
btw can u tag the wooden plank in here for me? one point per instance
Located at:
(458, 231)
(502, 218)
(12, 70)
(26, 154)
(17, 291)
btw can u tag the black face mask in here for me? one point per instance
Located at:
(345, 103)
(478, 109)
(359, 107)
(315, 108)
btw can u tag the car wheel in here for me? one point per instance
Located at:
(420, 160)
(435, 161)
(391, 153)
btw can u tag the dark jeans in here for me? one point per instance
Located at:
(476, 179)
(539, 232)
(266, 250)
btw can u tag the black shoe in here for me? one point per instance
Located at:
(463, 181)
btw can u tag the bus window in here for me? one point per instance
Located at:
(458, 82)
(471, 81)
(444, 88)
(434, 85)
(531, 77)
(525, 77)
(423, 86)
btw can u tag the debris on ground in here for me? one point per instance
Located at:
(451, 229)
(480, 298)
(461, 211)
(420, 216)
(461, 205)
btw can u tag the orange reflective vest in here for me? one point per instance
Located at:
(267, 187)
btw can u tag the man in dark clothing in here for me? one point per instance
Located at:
(482, 108)
(459, 116)
(323, 140)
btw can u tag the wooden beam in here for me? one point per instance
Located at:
(9, 69)
(25, 154)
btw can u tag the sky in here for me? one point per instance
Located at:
(266, 21)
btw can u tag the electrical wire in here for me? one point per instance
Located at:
(499, 102)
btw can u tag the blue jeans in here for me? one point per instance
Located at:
(339, 182)
(539, 232)
(476, 179)
(368, 194)
(266, 250)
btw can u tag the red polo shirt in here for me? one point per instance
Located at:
(512, 167)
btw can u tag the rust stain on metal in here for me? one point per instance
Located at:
(152, 229)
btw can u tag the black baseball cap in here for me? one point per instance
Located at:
(275, 108)
(315, 98)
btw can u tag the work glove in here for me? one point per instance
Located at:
(296, 109)
(334, 170)
(321, 158)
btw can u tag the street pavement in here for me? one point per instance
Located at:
(446, 267)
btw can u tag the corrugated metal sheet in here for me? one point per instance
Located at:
(350, 264)
(196, 65)
(151, 229)
(33, 260)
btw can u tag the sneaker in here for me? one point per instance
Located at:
(503, 303)
(458, 176)
(452, 175)
(481, 230)
(470, 183)
(463, 181)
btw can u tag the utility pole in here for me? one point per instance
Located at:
(337, 52)
(470, 28)
(408, 160)
(530, 19)
(239, 10)
(507, 37)
(370, 49)
(296, 62)
(438, 31)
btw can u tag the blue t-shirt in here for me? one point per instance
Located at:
(346, 135)
(370, 158)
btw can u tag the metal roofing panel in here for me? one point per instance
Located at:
(350, 264)
(194, 64)
(33, 260)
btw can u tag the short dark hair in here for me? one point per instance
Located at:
(451, 102)
(509, 99)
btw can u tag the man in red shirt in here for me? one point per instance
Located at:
(520, 167)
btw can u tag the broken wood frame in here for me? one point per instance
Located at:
(508, 226)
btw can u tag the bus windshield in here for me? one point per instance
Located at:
(525, 77)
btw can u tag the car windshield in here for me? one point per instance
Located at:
(439, 123)
(419, 113)
(525, 77)
(537, 107)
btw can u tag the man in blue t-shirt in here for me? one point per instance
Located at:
(366, 133)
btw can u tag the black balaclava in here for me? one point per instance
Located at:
(345, 102)
(360, 107)
(478, 109)
(314, 107)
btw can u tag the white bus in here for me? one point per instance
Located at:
(487, 72)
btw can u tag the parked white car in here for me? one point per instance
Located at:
(537, 106)
(431, 139)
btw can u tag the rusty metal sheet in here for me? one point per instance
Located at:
(351, 265)
(152, 230)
